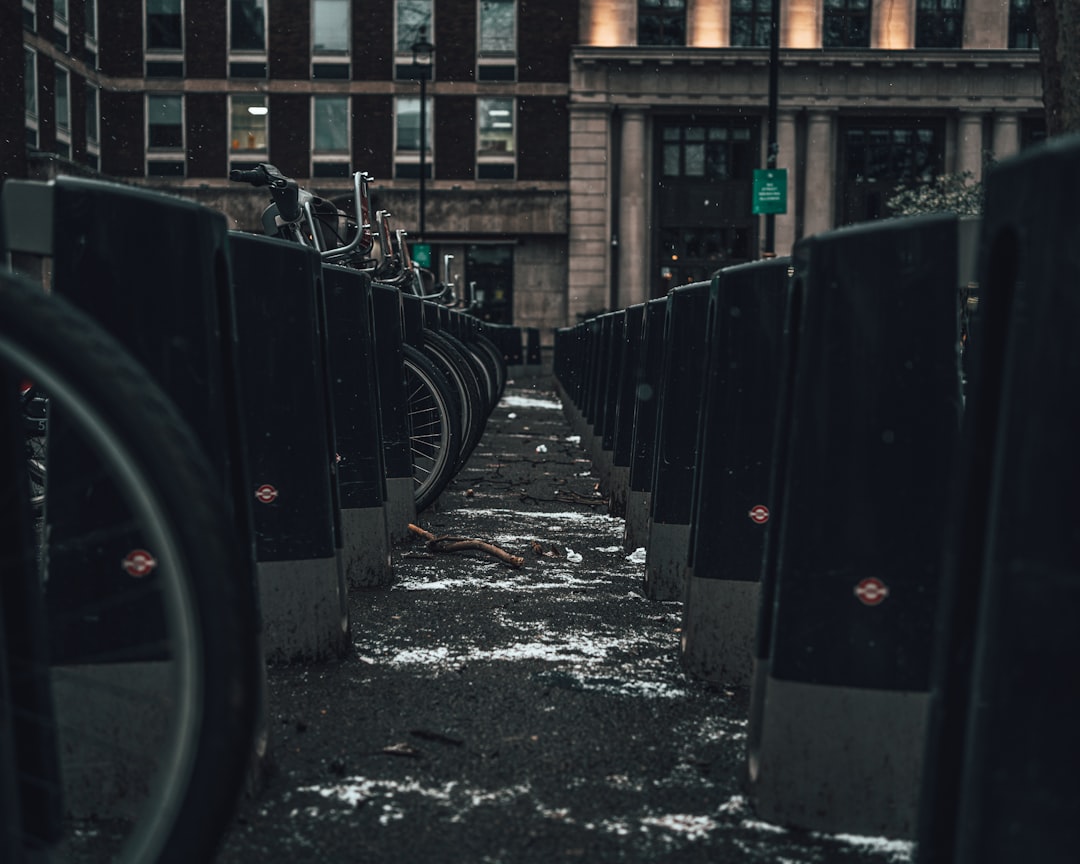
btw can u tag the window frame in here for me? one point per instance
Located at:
(31, 112)
(496, 162)
(496, 64)
(929, 23)
(62, 124)
(330, 157)
(403, 56)
(255, 154)
(411, 157)
(846, 12)
(248, 54)
(162, 52)
(1022, 23)
(756, 17)
(667, 13)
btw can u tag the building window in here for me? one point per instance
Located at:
(495, 139)
(30, 96)
(939, 24)
(247, 25)
(93, 123)
(330, 136)
(661, 22)
(90, 43)
(63, 111)
(878, 158)
(846, 24)
(165, 122)
(750, 21)
(1022, 33)
(247, 132)
(711, 153)
(29, 17)
(330, 26)
(164, 26)
(497, 41)
(330, 39)
(60, 24)
(407, 140)
(413, 23)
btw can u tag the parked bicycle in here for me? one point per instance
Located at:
(454, 375)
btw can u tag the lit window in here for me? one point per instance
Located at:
(413, 23)
(165, 122)
(846, 24)
(495, 139)
(164, 25)
(330, 26)
(247, 25)
(331, 121)
(939, 24)
(248, 124)
(750, 21)
(498, 27)
(661, 22)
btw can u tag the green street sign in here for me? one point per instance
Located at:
(421, 254)
(770, 190)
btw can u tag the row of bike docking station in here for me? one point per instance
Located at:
(288, 370)
(856, 467)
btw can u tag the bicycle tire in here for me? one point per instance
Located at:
(434, 427)
(462, 379)
(209, 649)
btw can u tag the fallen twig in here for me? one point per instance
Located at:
(447, 543)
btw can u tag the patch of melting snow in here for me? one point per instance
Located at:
(608, 548)
(897, 850)
(690, 826)
(529, 402)
(572, 556)
(574, 439)
(357, 790)
(637, 556)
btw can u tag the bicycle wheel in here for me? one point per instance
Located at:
(434, 427)
(463, 382)
(137, 731)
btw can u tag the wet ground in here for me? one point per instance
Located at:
(492, 714)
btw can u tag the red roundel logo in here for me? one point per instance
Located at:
(266, 493)
(759, 514)
(138, 563)
(871, 591)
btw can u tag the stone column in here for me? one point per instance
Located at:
(969, 143)
(1006, 140)
(785, 158)
(819, 186)
(633, 217)
(589, 248)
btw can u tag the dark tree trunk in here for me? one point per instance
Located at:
(1057, 24)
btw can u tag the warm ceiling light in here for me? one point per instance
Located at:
(258, 110)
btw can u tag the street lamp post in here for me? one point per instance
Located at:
(773, 146)
(422, 53)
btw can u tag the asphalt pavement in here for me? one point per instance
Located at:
(492, 714)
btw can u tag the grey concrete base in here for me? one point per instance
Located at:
(620, 479)
(636, 527)
(400, 508)
(840, 759)
(665, 560)
(302, 609)
(366, 547)
(718, 629)
(113, 726)
(601, 468)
